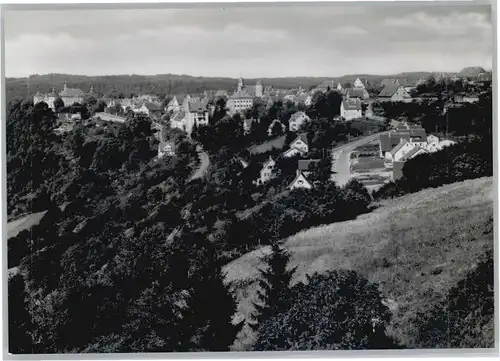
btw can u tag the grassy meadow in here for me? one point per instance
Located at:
(415, 247)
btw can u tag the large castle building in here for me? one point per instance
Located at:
(69, 96)
(243, 97)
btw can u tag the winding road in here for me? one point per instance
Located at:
(341, 158)
(204, 163)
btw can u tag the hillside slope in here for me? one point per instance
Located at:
(415, 247)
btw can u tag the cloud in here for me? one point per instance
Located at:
(453, 24)
(260, 41)
(348, 30)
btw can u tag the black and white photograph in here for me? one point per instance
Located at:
(186, 178)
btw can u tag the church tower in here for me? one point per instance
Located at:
(241, 85)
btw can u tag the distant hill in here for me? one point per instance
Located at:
(415, 247)
(470, 72)
(169, 84)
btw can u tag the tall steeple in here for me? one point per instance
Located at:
(241, 84)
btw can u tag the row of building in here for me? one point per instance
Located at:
(406, 142)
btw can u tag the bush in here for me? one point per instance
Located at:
(463, 317)
(334, 311)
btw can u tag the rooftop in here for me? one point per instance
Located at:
(351, 104)
(389, 90)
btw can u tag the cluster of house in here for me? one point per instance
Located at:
(406, 142)
(188, 111)
(69, 96)
(146, 104)
(300, 147)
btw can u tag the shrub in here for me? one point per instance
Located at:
(336, 310)
(462, 317)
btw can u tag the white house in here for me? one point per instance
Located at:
(298, 146)
(432, 139)
(195, 113)
(399, 151)
(266, 173)
(149, 109)
(165, 148)
(297, 120)
(71, 96)
(394, 93)
(175, 104)
(351, 109)
(239, 101)
(300, 181)
(292, 152)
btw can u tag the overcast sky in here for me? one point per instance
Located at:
(325, 40)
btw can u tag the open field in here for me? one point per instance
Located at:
(26, 222)
(370, 171)
(269, 145)
(415, 247)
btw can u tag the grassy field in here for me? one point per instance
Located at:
(415, 247)
(16, 226)
(269, 145)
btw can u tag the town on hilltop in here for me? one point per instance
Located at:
(361, 100)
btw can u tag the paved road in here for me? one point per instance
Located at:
(205, 162)
(341, 156)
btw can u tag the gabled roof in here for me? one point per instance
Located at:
(327, 84)
(177, 117)
(412, 153)
(197, 105)
(266, 163)
(351, 104)
(303, 164)
(274, 122)
(357, 92)
(398, 147)
(152, 106)
(299, 176)
(292, 150)
(302, 137)
(241, 95)
(387, 142)
(389, 90)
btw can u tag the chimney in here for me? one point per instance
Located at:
(298, 172)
